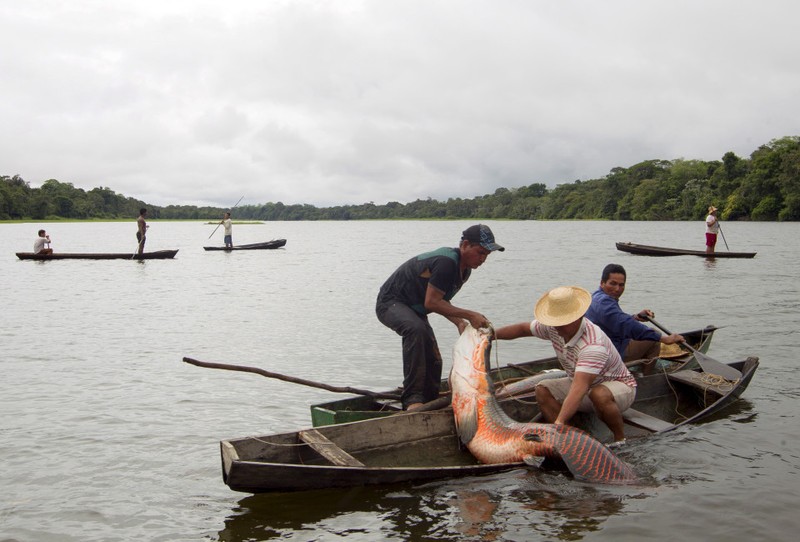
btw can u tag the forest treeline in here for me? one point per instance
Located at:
(765, 187)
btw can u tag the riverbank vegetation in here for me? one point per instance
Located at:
(764, 186)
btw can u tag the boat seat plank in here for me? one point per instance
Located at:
(645, 421)
(327, 449)
(700, 381)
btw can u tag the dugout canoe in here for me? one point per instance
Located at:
(156, 255)
(363, 407)
(268, 245)
(418, 447)
(647, 250)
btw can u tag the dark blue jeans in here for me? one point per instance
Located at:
(422, 362)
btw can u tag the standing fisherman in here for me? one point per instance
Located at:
(142, 229)
(712, 228)
(425, 284)
(227, 225)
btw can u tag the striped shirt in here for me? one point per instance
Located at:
(589, 351)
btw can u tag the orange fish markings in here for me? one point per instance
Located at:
(493, 437)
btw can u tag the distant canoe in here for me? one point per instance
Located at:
(157, 255)
(277, 243)
(645, 250)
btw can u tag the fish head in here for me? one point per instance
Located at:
(471, 361)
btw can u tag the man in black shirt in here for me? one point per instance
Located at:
(425, 284)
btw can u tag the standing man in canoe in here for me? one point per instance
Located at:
(712, 229)
(426, 284)
(142, 229)
(228, 227)
(597, 379)
(42, 244)
(632, 339)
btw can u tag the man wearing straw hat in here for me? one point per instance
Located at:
(597, 379)
(712, 229)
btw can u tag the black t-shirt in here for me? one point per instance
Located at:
(439, 268)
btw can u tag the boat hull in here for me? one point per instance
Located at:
(647, 250)
(269, 245)
(418, 447)
(157, 255)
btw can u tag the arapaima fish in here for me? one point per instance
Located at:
(493, 437)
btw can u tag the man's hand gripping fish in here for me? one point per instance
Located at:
(493, 437)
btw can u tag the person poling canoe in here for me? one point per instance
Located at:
(228, 230)
(141, 231)
(226, 221)
(712, 228)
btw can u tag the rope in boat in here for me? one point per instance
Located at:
(681, 417)
(717, 381)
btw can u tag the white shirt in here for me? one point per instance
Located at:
(712, 224)
(589, 351)
(39, 244)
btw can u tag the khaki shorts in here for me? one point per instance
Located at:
(623, 394)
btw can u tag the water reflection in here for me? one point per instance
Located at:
(509, 506)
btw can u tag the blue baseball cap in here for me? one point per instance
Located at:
(481, 234)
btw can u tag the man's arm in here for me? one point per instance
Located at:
(513, 331)
(435, 302)
(580, 386)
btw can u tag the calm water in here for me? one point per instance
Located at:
(105, 435)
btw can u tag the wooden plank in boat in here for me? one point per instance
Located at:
(645, 421)
(701, 381)
(327, 449)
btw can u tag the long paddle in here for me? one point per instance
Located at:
(302, 381)
(709, 365)
(723, 236)
(220, 224)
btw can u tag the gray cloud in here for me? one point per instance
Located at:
(354, 101)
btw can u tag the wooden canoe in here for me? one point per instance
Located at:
(362, 407)
(646, 250)
(157, 255)
(277, 243)
(423, 446)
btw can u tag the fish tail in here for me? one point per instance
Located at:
(589, 460)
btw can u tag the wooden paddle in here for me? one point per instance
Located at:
(302, 381)
(723, 236)
(709, 365)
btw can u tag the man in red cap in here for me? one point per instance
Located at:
(426, 284)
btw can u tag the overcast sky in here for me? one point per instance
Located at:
(346, 102)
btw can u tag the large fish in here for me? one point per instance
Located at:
(493, 437)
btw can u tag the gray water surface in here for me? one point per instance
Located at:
(106, 435)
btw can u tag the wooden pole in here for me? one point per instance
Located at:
(292, 379)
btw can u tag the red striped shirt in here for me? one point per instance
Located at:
(589, 351)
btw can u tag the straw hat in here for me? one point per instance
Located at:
(711, 209)
(670, 351)
(561, 306)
